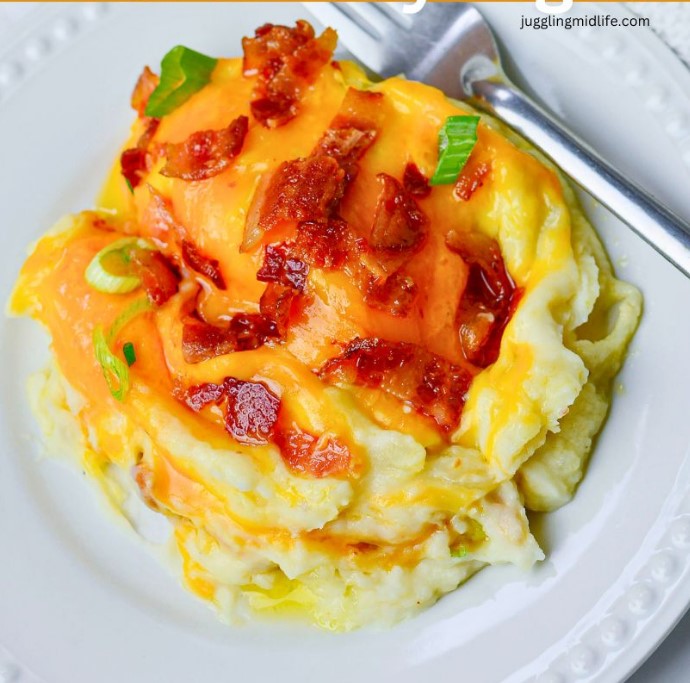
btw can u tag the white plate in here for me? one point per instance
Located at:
(81, 603)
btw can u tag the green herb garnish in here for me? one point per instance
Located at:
(456, 140)
(115, 371)
(116, 255)
(129, 353)
(183, 73)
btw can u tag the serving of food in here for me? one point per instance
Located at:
(342, 334)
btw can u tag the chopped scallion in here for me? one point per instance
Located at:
(456, 140)
(129, 353)
(459, 552)
(132, 311)
(183, 72)
(102, 279)
(115, 371)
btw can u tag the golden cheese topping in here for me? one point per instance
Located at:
(320, 366)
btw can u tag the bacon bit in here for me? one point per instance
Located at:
(245, 331)
(415, 182)
(134, 165)
(286, 266)
(489, 299)
(146, 84)
(276, 305)
(303, 452)
(394, 295)
(346, 145)
(150, 130)
(251, 408)
(282, 267)
(353, 130)
(252, 411)
(434, 386)
(286, 60)
(471, 178)
(322, 244)
(208, 267)
(135, 162)
(400, 227)
(157, 274)
(298, 190)
(206, 153)
(201, 395)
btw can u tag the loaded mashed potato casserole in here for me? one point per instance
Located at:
(341, 334)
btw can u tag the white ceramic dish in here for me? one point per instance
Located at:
(81, 602)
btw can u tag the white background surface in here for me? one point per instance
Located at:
(671, 663)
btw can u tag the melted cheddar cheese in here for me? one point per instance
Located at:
(404, 510)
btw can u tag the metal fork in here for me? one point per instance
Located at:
(450, 46)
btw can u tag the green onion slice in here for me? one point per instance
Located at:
(129, 353)
(459, 552)
(183, 72)
(117, 256)
(131, 312)
(456, 140)
(115, 371)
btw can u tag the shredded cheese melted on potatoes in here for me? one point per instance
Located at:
(397, 511)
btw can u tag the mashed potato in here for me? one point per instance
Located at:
(342, 386)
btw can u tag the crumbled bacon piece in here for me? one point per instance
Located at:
(432, 385)
(146, 84)
(244, 332)
(276, 305)
(353, 130)
(282, 267)
(395, 294)
(298, 190)
(134, 165)
(488, 300)
(150, 130)
(400, 226)
(415, 182)
(158, 276)
(304, 452)
(136, 161)
(208, 267)
(251, 408)
(322, 244)
(471, 178)
(346, 145)
(201, 395)
(252, 411)
(206, 153)
(285, 60)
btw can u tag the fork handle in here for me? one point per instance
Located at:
(658, 226)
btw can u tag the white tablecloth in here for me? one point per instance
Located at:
(671, 20)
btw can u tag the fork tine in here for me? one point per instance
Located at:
(381, 40)
(369, 15)
(394, 11)
(355, 31)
